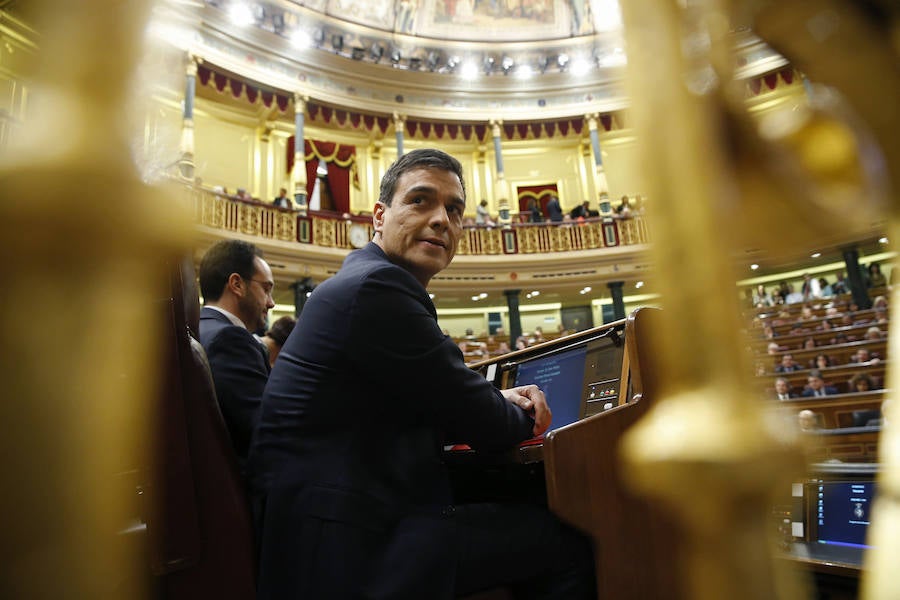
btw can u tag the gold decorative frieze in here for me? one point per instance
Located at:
(264, 221)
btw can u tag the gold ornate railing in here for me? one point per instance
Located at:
(331, 230)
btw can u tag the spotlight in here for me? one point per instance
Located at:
(488, 64)
(469, 70)
(432, 60)
(337, 42)
(357, 53)
(301, 39)
(542, 63)
(376, 52)
(278, 22)
(415, 63)
(506, 64)
(240, 14)
(562, 61)
(580, 67)
(452, 62)
(259, 13)
(395, 56)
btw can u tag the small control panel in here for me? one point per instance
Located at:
(602, 395)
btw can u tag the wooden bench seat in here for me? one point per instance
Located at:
(838, 376)
(837, 411)
(840, 354)
(822, 338)
(847, 444)
(783, 328)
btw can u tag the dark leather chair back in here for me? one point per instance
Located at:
(200, 528)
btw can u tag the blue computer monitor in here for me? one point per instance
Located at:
(842, 510)
(561, 377)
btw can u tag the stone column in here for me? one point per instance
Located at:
(501, 186)
(615, 291)
(302, 289)
(298, 174)
(855, 278)
(515, 321)
(599, 175)
(186, 161)
(399, 124)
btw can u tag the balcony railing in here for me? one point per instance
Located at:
(332, 230)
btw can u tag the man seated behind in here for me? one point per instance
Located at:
(816, 385)
(236, 284)
(783, 389)
(346, 463)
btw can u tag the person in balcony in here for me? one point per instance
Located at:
(282, 200)
(534, 211)
(624, 207)
(482, 216)
(554, 211)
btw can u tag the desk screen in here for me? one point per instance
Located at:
(842, 511)
(561, 376)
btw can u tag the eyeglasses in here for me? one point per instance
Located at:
(267, 286)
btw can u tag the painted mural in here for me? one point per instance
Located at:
(468, 20)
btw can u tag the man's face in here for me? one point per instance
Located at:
(420, 230)
(787, 360)
(257, 299)
(781, 386)
(815, 383)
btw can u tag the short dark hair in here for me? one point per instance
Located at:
(223, 259)
(422, 158)
(281, 329)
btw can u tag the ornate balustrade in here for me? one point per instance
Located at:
(332, 230)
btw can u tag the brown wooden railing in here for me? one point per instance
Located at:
(331, 230)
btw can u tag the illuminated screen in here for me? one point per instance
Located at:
(842, 511)
(561, 377)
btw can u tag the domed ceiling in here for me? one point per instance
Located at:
(439, 59)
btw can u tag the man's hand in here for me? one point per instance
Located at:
(531, 399)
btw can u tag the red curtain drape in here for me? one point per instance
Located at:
(541, 192)
(341, 161)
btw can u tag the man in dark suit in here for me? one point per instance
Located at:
(236, 284)
(783, 389)
(346, 462)
(816, 386)
(554, 211)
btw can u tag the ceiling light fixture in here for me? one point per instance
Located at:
(468, 70)
(580, 67)
(301, 39)
(240, 14)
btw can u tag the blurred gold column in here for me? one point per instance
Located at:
(854, 49)
(705, 449)
(83, 241)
